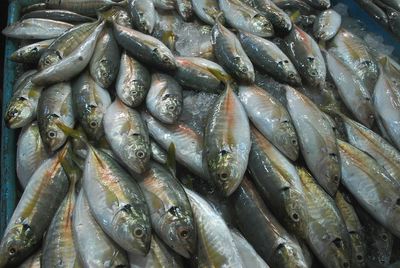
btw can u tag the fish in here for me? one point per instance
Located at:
(32, 216)
(262, 230)
(352, 90)
(59, 15)
(227, 141)
(269, 58)
(94, 247)
(386, 100)
(159, 256)
(279, 19)
(185, 9)
(371, 186)
(31, 153)
(278, 183)
(306, 56)
(247, 253)
(90, 101)
(271, 118)
(143, 15)
(104, 63)
(316, 138)
(36, 28)
(206, 10)
(170, 211)
(354, 53)
(231, 55)
(145, 48)
(30, 54)
(194, 73)
(245, 18)
(55, 105)
(65, 44)
(128, 137)
(118, 14)
(371, 143)
(215, 247)
(188, 143)
(164, 99)
(133, 81)
(59, 245)
(354, 228)
(325, 230)
(327, 24)
(88, 7)
(378, 240)
(23, 105)
(117, 203)
(71, 65)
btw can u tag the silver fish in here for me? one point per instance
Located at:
(317, 140)
(36, 28)
(230, 54)
(271, 118)
(55, 105)
(215, 247)
(105, 60)
(164, 99)
(227, 142)
(143, 15)
(61, 15)
(327, 24)
(375, 191)
(94, 247)
(117, 203)
(71, 65)
(206, 10)
(128, 136)
(269, 58)
(279, 18)
(90, 103)
(30, 53)
(133, 81)
(246, 18)
(88, 7)
(30, 153)
(188, 143)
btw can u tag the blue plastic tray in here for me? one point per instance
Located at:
(9, 139)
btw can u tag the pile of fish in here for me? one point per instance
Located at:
(386, 12)
(291, 159)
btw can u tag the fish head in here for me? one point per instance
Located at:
(315, 72)
(180, 231)
(287, 140)
(164, 57)
(169, 108)
(134, 92)
(49, 58)
(223, 167)
(289, 254)
(17, 244)
(103, 72)
(53, 137)
(19, 113)
(330, 171)
(185, 9)
(336, 254)
(357, 249)
(140, 152)
(243, 70)
(122, 17)
(290, 72)
(92, 119)
(262, 25)
(324, 4)
(133, 229)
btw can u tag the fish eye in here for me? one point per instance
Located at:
(295, 217)
(223, 176)
(294, 142)
(51, 134)
(310, 59)
(384, 237)
(184, 233)
(291, 75)
(93, 124)
(140, 154)
(359, 257)
(165, 59)
(346, 264)
(313, 73)
(243, 69)
(171, 107)
(138, 232)
(12, 251)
